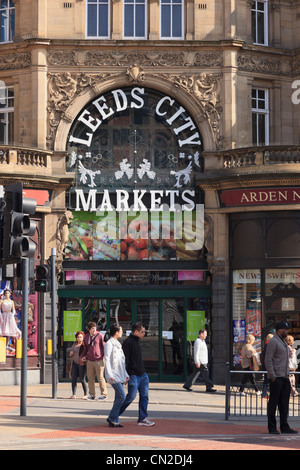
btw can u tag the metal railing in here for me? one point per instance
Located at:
(249, 403)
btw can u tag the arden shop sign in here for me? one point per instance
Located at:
(259, 196)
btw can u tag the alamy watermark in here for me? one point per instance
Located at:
(296, 93)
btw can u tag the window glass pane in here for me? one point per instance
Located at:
(254, 129)
(246, 315)
(260, 6)
(92, 20)
(103, 20)
(4, 3)
(2, 128)
(129, 31)
(261, 129)
(176, 20)
(140, 21)
(165, 21)
(4, 25)
(260, 28)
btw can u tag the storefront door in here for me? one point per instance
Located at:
(171, 324)
(163, 345)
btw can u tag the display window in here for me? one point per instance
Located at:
(246, 301)
(11, 324)
(260, 299)
(282, 299)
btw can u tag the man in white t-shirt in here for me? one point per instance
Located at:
(200, 364)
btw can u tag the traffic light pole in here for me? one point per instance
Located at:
(25, 286)
(53, 323)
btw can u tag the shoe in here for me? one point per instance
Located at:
(145, 422)
(211, 390)
(274, 431)
(189, 389)
(102, 398)
(114, 425)
(289, 431)
(90, 398)
(242, 394)
(72, 397)
(258, 393)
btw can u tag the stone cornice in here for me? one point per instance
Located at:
(243, 178)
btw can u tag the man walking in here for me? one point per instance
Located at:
(93, 356)
(139, 380)
(200, 365)
(277, 365)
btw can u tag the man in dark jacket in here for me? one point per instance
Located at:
(139, 380)
(277, 365)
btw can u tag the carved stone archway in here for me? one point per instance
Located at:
(70, 92)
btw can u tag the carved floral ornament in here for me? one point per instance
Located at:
(203, 88)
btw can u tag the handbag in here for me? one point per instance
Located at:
(254, 363)
(69, 368)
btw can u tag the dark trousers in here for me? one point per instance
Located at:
(203, 370)
(279, 396)
(245, 379)
(78, 371)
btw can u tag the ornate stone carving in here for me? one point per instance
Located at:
(62, 236)
(16, 60)
(205, 89)
(264, 64)
(63, 87)
(135, 73)
(150, 58)
(208, 234)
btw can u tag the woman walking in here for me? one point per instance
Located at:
(115, 372)
(248, 363)
(77, 369)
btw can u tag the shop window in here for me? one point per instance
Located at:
(282, 300)
(246, 318)
(259, 17)
(6, 114)
(171, 19)
(11, 325)
(283, 239)
(247, 240)
(98, 18)
(260, 116)
(7, 14)
(134, 19)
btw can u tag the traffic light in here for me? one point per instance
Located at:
(43, 278)
(17, 227)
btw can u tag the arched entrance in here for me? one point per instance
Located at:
(136, 240)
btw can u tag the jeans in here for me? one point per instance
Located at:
(118, 402)
(138, 383)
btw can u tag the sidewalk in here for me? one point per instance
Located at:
(183, 421)
(160, 393)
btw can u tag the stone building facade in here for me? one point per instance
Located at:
(233, 67)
